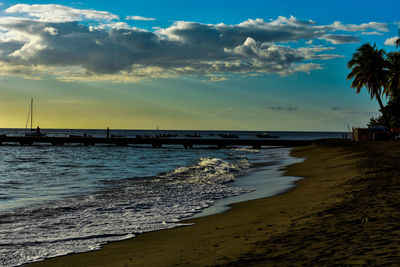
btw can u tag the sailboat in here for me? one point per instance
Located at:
(165, 135)
(33, 132)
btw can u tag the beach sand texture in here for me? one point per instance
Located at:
(345, 211)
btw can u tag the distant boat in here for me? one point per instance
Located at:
(74, 136)
(166, 135)
(195, 135)
(143, 136)
(36, 132)
(79, 136)
(266, 135)
(117, 136)
(229, 135)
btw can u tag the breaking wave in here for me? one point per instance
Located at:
(134, 205)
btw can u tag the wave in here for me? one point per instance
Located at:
(209, 170)
(84, 223)
(246, 149)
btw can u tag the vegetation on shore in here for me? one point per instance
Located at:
(379, 72)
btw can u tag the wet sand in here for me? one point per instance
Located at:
(345, 211)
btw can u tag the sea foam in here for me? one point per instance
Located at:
(137, 205)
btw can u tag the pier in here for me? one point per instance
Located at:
(154, 142)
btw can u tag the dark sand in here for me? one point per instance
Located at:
(346, 211)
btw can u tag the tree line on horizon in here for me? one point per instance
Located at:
(379, 72)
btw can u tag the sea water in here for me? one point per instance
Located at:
(60, 200)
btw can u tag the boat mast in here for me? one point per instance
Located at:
(31, 112)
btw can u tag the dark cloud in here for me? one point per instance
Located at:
(198, 47)
(115, 48)
(7, 48)
(366, 113)
(340, 39)
(353, 112)
(282, 108)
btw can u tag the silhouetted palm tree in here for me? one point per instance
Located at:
(369, 69)
(392, 87)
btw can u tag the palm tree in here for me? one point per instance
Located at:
(369, 69)
(392, 87)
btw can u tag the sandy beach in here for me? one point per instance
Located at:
(345, 211)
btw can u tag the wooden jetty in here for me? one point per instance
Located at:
(154, 142)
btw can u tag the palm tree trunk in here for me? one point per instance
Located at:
(378, 97)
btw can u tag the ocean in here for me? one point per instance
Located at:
(59, 200)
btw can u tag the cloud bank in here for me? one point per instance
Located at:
(77, 44)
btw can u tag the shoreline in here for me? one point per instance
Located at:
(268, 163)
(276, 183)
(316, 222)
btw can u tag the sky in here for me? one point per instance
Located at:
(212, 65)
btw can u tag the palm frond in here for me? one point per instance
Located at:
(368, 69)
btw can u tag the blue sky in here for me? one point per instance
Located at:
(253, 65)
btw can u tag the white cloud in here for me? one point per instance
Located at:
(59, 13)
(139, 18)
(114, 25)
(391, 41)
(216, 79)
(52, 40)
(372, 33)
(51, 30)
(377, 26)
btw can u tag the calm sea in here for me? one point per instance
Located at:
(60, 200)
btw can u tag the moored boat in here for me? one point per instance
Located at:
(74, 136)
(117, 136)
(195, 135)
(166, 135)
(266, 135)
(36, 132)
(229, 135)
